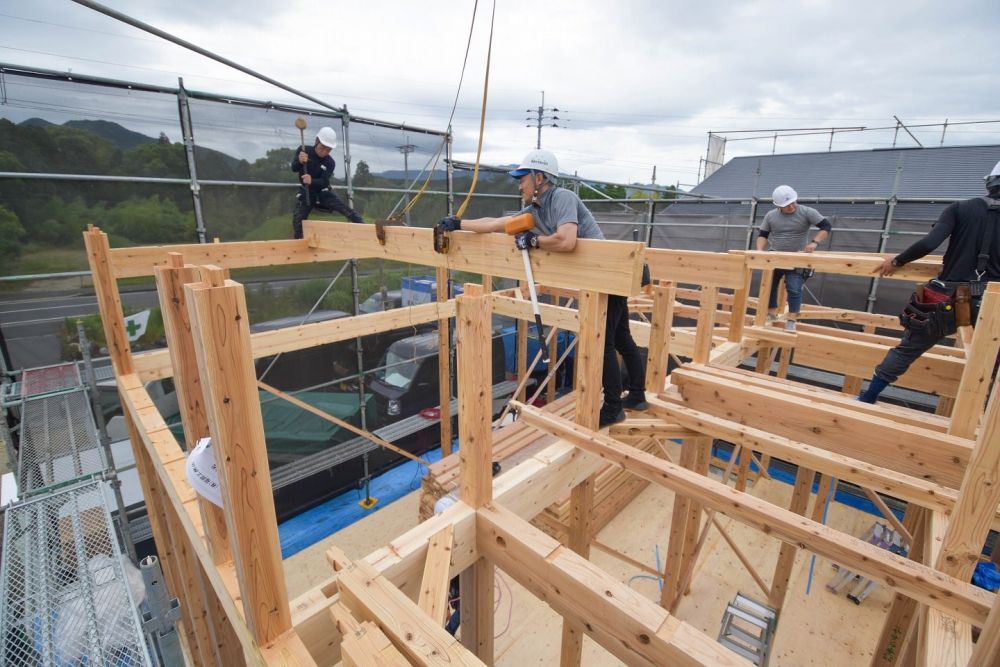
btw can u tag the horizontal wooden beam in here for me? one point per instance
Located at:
(884, 480)
(923, 583)
(155, 365)
(140, 261)
(713, 269)
(634, 629)
(910, 450)
(855, 264)
(612, 267)
(657, 428)
(556, 316)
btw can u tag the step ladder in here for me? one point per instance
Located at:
(748, 628)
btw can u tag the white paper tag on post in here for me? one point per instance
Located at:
(203, 474)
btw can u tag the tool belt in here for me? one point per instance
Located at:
(805, 272)
(937, 308)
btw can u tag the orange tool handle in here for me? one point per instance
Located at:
(519, 223)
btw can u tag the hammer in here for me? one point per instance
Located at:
(518, 225)
(300, 123)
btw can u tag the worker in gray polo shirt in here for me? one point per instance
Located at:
(560, 219)
(787, 229)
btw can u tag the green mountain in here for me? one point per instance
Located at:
(121, 137)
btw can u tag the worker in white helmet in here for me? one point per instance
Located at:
(972, 229)
(560, 219)
(786, 229)
(315, 169)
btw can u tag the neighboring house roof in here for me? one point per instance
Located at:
(953, 171)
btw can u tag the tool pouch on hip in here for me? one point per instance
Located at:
(930, 311)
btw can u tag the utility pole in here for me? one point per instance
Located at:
(540, 119)
(406, 149)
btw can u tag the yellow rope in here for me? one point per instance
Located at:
(482, 120)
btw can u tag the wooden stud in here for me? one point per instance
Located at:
(444, 364)
(786, 556)
(109, 301)
(522, 357)
(987, 651)
(222, 343)
(661, 323)
(553, 356)
(895, 628)
(978, 374)
(170, 281)
(739, 308)
(593, 309)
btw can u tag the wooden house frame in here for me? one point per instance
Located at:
(388, 608)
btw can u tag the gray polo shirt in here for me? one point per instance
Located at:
(789, 232)
(559, 206)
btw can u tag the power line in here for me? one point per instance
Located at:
(542, 117)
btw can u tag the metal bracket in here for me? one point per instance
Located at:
(441, 241)
(380, 226)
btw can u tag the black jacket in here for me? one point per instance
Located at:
(961, 224)
(321, 170)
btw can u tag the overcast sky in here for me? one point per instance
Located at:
(641, 83)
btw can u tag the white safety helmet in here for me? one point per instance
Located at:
(327, 137)
(783, 195)
(538, 160)
(993, 178)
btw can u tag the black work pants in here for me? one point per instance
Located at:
(618, 340)
(325, 200)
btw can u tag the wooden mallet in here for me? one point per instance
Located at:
(300, 123)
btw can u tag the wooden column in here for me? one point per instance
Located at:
(662, 318)
(444, 364)
(522, 358)
(739, 311)
(979, 361)
(593, 310)
(170, 281)
(709, 297)
(221, 331)
(553, 356)
(902, 611)
(473, 317)
(685, 526)
(987, 651)
(786, 556)
(109, 301)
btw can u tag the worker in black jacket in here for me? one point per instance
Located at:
(315, 168)
(972, 229)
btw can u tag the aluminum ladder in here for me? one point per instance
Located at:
(748, 628)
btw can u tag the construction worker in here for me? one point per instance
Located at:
(972, 229)
(560, 219)
(315, 168)
(787, 228)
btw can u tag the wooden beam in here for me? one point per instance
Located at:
(444, 364)
(433, 598)
(372, 597)
(170, 281)
(845, 264)
(714, 269)
(882, 442)
(593, 309)
(924, 583)
(140, 261)
(222, 342)
(369, 647)
(661, 322)
(632, 628)
(614, 267)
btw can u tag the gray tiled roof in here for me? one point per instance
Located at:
(953, 171)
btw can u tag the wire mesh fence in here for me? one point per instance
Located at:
(67, 596)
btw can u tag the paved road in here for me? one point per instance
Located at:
(31, 325)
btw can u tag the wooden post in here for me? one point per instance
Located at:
(987, 651)
(109, 301)
(593, 310)
(553, 355)
(739, 310)
(522, 357)
(786, 556)
(170, 281)
(473, 317)
(706, 324)
(659, 337)
(683, 544)
(979, 361)
(444, 364)
(221, 331)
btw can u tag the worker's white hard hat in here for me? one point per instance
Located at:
(993, 178)
(538, 160)
(783, 195)
(327, 137)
